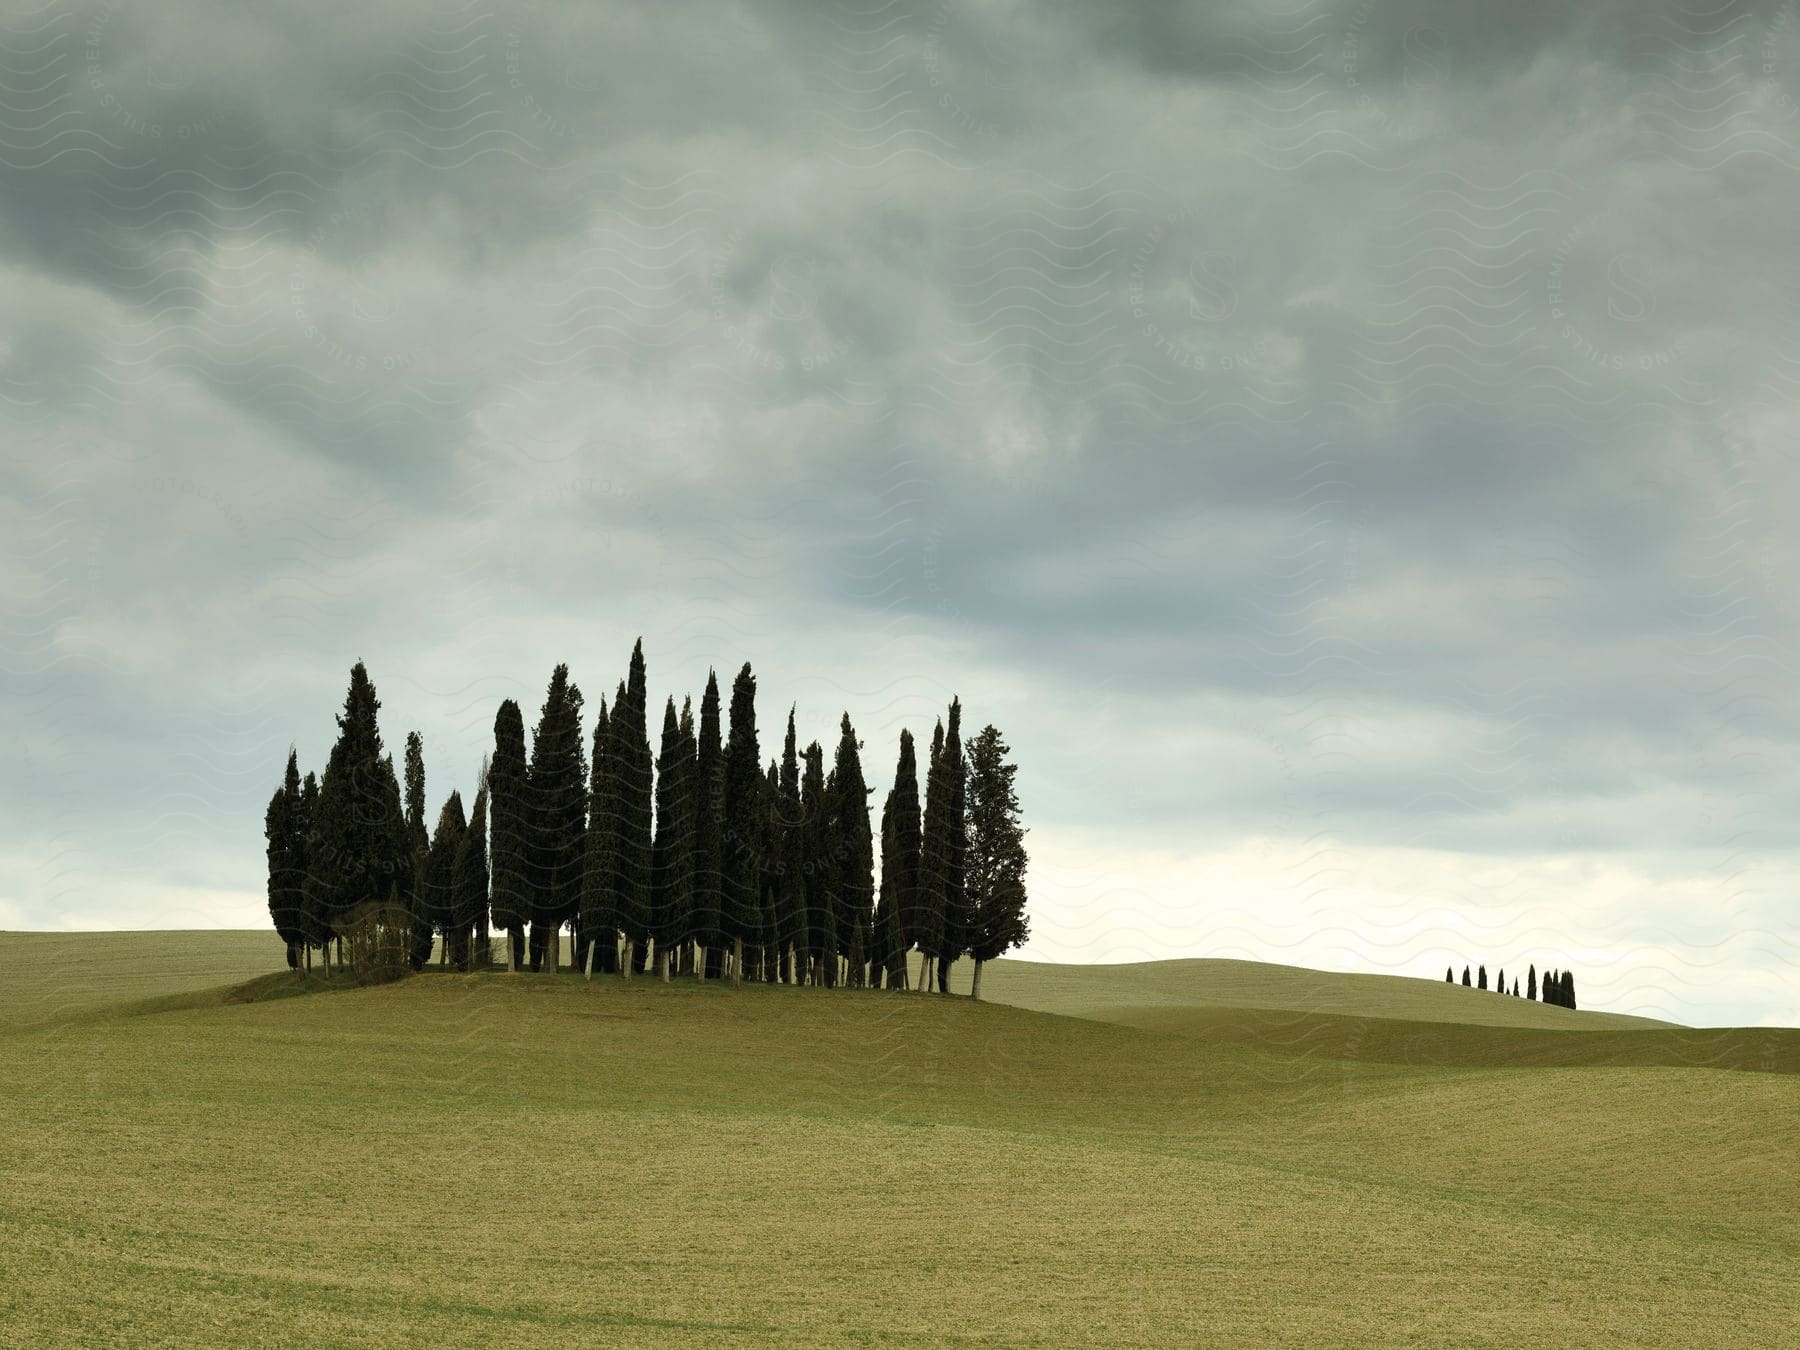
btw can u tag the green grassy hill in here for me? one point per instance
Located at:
(1106, 991)
(499, 1159)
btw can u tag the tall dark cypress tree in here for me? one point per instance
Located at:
(508, 784)
(852, 852)
(419, 837)
(769, 888)
(690, 814)
(1466, 981)
(927, 929)
(1531, 982)
(1448, 977)
(996, 854)
(600, 849)
(438, 885)
(740, 857)
(303, 834)
(1500, 980)
(359, 853)
(815, 845)
(789, 826)
(469, 894)
(635, 787)
(709, 773)
(285, 829)
(903, 834)
(957, 919)
(557, 825)
(1568, 990)
(1481, 978)
(671, 854)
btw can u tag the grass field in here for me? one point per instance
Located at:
(494, 1159)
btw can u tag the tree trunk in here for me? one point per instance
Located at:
(590, 959)
(737, 963)
(975, 989)
(625, 965)
(662, 963)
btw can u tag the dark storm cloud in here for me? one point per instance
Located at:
(1361, 421)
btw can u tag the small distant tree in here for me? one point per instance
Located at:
(1515, 989)
(1500, 980)
(1568, 989)
(1481, 978)
(1448, 977)
(1466, 980)
(1531, 982)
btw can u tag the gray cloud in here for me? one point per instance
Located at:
(1365, 424)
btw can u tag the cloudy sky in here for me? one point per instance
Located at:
(1347, 447)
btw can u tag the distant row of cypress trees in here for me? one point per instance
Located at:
(1559, 989)
(702, 856)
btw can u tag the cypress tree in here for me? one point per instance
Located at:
(284, 827)
(772, 897)
(741, 806)
(880, 951)
(709, 767)
(557, 799)
(789, 820)
(438, 885)
(852, 879)
(303, 837)
(507, 787)
(689, 798)
(671, 855)
(1568, 989)
(1531, 982)
(419, 838)
(927, 928)
(599, 859)
(1466, 981)
(1481, 978)
(1500, 980)
(902, 811)
(996, 854)
(821, 922)
(358, 852)
(469, 889)
(634, 785)
(957, 921)
(1515, 988)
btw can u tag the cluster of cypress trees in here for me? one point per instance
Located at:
(1558, 989)
(700, 858)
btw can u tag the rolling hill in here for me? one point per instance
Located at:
(501, 1159)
